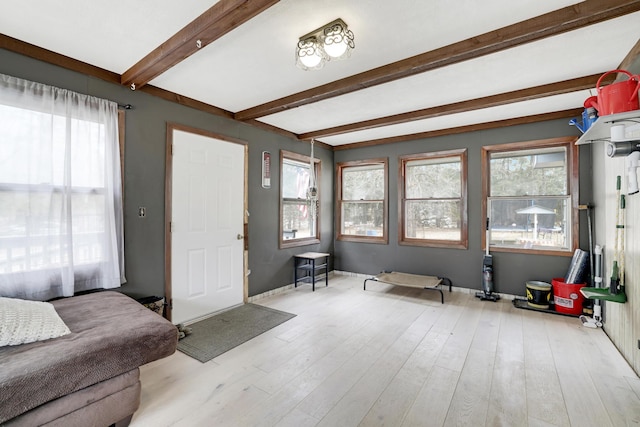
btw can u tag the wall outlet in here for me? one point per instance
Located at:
(142, 212)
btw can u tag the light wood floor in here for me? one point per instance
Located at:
(391, 356)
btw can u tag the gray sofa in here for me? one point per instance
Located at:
(89, 377)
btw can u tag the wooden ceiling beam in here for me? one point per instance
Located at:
(186, 101)
(630, 60)
(569, 18)
(41, 54)
(217, 21)
(558, 88)
(464, 129)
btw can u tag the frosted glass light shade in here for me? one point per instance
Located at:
(337, 40)
(311, 61)
(309, 55)
(335, 50)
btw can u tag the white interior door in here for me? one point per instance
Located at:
(207, 225)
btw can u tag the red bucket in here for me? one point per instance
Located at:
(567, 297)
(618, 97)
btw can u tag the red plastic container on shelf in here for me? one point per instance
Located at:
(618, 97)
(567, 297)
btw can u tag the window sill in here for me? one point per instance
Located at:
(284, 244)
(435, 244)
(565, 253)
(363, 239)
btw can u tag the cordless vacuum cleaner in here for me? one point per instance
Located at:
(487, 273)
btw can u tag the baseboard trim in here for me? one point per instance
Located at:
(332, 273)
(277, 291)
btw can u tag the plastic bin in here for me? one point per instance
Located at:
(538, 294)
(567, 297)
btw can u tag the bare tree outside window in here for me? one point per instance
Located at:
(362, 201)
(434, 199)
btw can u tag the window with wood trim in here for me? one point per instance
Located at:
(362, 201)
(60, 191)
(299, 214)
(433, 199)
(530, 194)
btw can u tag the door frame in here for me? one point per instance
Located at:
(168, 181)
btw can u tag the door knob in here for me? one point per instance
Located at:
(239, 237)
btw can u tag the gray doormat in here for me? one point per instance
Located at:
(220, 333)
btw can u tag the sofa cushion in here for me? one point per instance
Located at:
(22, 322)
(111, 334)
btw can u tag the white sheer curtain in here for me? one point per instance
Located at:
(61, 226)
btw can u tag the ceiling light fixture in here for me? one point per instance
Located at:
(329, 42)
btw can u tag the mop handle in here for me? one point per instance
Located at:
(616, 247)
(487, 237)
(620, 229)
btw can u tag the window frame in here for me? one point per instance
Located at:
(572, 188)
(340, 167)
(463, 243)
(292, 243)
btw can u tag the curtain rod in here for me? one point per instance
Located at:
(125, 107)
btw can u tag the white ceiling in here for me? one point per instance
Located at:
(254, 63)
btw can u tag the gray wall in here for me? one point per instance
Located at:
(463, 267)
(271, 267)
(145, 172)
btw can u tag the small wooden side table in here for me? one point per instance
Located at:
(310, 262)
